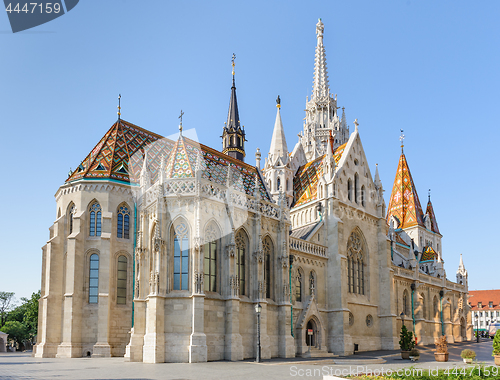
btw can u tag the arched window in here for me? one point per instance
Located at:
(71, 212)
(355, 264)
(298, 286)
(241, 249)
(210, 251)
(181, 256)
(363, 196)
(121, 282)
(356, 188)
(349, 189)
(267, 245)
(312, 283)
(123, 222)
(405, 303)
(94, 278)
(95, 219)
(278, 184)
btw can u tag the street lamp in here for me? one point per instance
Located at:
(258, 310)
(402, 315)
(477, 327)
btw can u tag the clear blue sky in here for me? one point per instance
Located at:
(428, 67)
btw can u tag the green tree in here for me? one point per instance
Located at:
(27, 314)
(6, 303)
(17, 331)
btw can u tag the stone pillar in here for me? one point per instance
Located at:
(198, 339)
(154, 340)
(286, 342)
(264, 337)
(134, 349)
(233, 347)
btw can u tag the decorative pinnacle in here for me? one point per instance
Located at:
(429, 195)
(232, 62)
(119, 106)
(402, 138)
(180, 124)
(278, 102)
(320, 27)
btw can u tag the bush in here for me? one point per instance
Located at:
(406, 341)
(468, 354)
(496, 344)
(442, 345)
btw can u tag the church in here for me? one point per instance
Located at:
(164, 250)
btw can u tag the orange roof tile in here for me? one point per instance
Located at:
(485, 297)
(404, 203)
(430, 211)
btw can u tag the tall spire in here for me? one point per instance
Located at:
(321, 89)
(233, 134)
(430, 212)
(278, 149)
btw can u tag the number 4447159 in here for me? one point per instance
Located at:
(35, 7)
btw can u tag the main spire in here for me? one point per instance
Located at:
(321, 89)
(233, 134)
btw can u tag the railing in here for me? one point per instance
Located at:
(307, 247)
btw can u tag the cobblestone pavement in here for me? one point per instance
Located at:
(22, 366)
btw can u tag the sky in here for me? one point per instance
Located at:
(430, 68)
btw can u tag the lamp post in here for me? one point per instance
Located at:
(477, 327)
(258, 310)
(402, 315)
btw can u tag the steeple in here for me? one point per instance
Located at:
(461, 272)
(278, 149)
(321, 110)
(233, 134)
(404, 203)
(430, 214)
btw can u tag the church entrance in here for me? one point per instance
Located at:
(311, 333)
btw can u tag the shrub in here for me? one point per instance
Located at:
(442, 345)
(406, 341)
(468, 354)
(496, 344)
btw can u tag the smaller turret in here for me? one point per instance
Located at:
(462, 275)
(145, 177)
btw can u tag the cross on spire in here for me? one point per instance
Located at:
(180, 125)
(232, 62)
(402, 138)
(119, 106)
(429, 195)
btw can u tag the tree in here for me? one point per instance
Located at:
(6, 303)
(17, 331)
(27, 314)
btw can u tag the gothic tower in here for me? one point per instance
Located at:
(321, 110)
(233, 134)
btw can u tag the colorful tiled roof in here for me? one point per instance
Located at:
(399, 239)
(337, 155)
(485, 297)
(124, 139)
(429, 254)
(430, 211)
(404, 203)
(305, 182)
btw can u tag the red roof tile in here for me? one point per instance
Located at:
(485, 297)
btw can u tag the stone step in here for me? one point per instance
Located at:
(316, 353)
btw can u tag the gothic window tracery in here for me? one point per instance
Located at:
(211, 252)
(355, 264)
(181, 256)
(405, 303)
(71, 213)
(123, 222)
(241, 250)
(267, 245)
(94, 278)
(95, 219)
(298, 286)
(349, 189)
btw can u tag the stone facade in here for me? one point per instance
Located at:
(162, 249)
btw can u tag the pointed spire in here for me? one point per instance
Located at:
(378, 182)
(320, 85)
(278, 147)
(404, 203)
(343, 121)
(145, 178)
(430, 211)
(329, 148)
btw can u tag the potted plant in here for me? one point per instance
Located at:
(496, 348)
(414, 355)
(468, 355)
(406, 342)
(441, 353)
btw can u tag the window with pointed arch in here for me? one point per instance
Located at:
(241, 250)
(363, 196)
(356, 264)
(94, 278)
(71, 213)
(298, 286)
(356, 188)
(123, 222)
(210, 253)
(405, 303)
(121, 280)
(312, 283)
(180, 233)
(267, 245)
(349, 189)
(95, 219)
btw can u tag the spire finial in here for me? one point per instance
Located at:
(278, 102)
(402, 138)
(180, 124)
(119, 106)
(356, 124)
(429, 195)
(320, 27)
(232, 63)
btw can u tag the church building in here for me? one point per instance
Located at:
(163, 250)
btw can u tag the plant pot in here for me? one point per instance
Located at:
(497, 359)
(405, 355)
(467, 360)
(440, 357)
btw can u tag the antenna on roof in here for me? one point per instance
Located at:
(119, 106)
